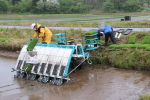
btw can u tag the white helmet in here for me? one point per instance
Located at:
(33, 25)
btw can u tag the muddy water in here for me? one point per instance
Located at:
(105, 83)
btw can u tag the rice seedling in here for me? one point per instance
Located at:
(4, 39)
(101, 41)
(90, 34)
(146, 40)
(143, 46)
(148, 48)
(27, 67)
(32, 44)
(132, 40)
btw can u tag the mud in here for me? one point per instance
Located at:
(89, 83)
(9, 54)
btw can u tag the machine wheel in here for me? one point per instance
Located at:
(32, 77)
(21, 75)
(40, 78)
(28, 76)
(45, 79)
(17, 74)
(52, 81)
(58, 81)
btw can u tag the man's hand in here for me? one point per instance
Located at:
(102, 33)
(31, 39)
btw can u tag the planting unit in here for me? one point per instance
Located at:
(50, 62)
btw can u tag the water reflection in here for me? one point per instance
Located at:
(5, 70)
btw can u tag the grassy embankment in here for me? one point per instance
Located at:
(129, 58)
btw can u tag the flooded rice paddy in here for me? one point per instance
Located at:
(89, 83)
(74, 18)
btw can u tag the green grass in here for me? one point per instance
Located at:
(145, 97)
(3, 29)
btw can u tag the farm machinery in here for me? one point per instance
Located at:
(52, 62)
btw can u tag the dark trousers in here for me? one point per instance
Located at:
(111, 35)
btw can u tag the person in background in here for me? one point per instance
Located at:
(42, 32)
(108, 31)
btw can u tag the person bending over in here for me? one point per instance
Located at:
(108, 31)
(42, 32)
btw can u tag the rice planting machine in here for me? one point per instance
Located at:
(52, 62)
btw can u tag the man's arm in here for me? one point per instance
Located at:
(35, 35)
(42, 31)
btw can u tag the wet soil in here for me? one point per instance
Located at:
(9, 54)
(93, 82)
